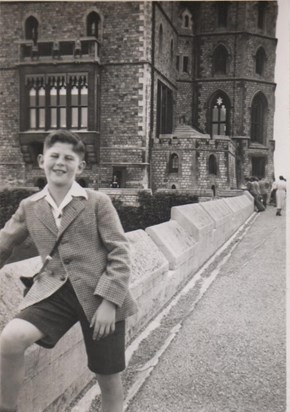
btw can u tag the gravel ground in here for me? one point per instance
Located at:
(230, 353)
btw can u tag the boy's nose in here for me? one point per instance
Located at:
(60, 160)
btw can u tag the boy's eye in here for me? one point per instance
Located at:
(69, 158)
(54, 155)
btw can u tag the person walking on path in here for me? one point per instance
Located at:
(263, 188)
(280, 186)
(86, 277)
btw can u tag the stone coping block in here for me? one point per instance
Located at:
(218, 210)
(146, 258)
(194, 219)
(175, 243)
(11, 290)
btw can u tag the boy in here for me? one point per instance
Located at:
(86, 280)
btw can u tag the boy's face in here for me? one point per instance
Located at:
(61, 165)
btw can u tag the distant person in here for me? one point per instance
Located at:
(280, 187)
(114, 184)
(253, 191)
(263, 188)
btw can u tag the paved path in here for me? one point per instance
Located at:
(229, 352)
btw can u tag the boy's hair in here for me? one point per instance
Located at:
(65, 136)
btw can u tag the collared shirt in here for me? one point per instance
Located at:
(75, 191)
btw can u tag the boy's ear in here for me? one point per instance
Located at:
(81, 167)
(40, 160)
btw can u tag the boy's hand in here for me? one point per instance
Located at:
(104, 320)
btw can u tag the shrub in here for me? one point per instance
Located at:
(9, 201)
(153, 209)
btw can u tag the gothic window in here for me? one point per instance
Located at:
(260, 60)
(258, 118)
(220, 58)
(261, 14)
(222, 13)
(93, 23)
(219, 115)
(57, 101)
(173, 163)
(212, 165)
(164, 109)
(36, 106)
(186, 21)
(160, 38)
(185, 68)
(31, 29)
(79, 106)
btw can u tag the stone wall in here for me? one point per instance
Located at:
(176, 248)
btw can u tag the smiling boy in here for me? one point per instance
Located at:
(86, 280)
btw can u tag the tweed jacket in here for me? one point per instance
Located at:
(93, 252)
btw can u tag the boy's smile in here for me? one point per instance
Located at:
(61, 165)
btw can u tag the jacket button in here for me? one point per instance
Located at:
(67, 261)
(62, 278)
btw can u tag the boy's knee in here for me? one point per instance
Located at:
(110, 383)
(16, 337)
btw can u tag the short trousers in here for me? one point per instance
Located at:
(55, 315)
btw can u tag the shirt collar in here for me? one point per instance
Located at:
(75, 191)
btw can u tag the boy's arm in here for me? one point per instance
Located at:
(113, 283)
(13, 233)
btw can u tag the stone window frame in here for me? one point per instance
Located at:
(164, 109)
(261, 14)
(185, 64)
(160, 39)
(31, 28)
(173, 163)
(186, 20)
(260, 60)
(171, 50)
(259, 118)
(220, 60)
(212, 163)
(177, 62)
(222, 13)
(91, 11)
(58, 109)
(214, 96)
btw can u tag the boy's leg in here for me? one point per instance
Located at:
(112, 392)
(16, 337)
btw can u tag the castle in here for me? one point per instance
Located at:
(174, 95)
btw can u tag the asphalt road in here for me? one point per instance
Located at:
(228, 353)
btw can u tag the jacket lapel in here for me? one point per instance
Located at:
(70, 212)
(44, 214)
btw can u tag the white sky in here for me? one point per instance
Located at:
(281, 119)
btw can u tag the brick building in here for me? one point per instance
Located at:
(163, 94)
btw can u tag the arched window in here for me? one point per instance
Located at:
(220, 58)
(186, 21)
(212, 165)
(261, 14)
(93, 23)
(222, 13)
(260, 60)
(219, 115)
(31, 29)
(160, 38)
(258, 118)
(36, 107)
(173, 163)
